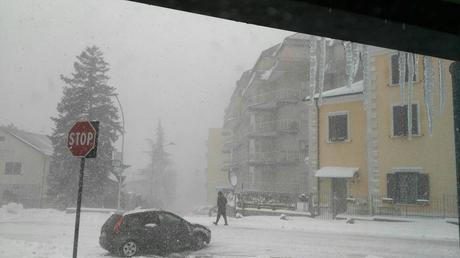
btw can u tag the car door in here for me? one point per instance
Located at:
(177, 231)
(153, 232)
(135, 228)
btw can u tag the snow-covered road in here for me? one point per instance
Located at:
(49, 233)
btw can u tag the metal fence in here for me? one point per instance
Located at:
(330, 207)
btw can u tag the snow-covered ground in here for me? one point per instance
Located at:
(49, 233)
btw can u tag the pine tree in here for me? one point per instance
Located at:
(162, 178)
(87, 95)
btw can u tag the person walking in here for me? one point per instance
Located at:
(221, 208)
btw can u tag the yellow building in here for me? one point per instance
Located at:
(365, 159)
(342, 146)
(216, 178)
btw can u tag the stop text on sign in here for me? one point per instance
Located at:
(82, 139)
(77, 138)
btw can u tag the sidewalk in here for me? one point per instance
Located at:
(436, 229)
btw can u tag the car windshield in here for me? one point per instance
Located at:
(272, 143)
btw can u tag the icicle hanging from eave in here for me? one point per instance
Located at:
(428, 91)
(348, 62)
(402, 74)
(322, 69)
(442, 86)
(357, 50)
(416, 57)
(366, 76)
(313, 66)
(410, 84)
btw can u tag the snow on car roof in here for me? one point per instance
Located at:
(139, 211)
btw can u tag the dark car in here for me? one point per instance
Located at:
(151, 231)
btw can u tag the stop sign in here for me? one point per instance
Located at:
(82, 138)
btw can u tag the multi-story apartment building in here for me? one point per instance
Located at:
(368, 161)
(265, 125)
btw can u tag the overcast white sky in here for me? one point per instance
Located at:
(169, 65)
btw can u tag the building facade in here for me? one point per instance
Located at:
(24, 165)
(368, 161)
(265, 129)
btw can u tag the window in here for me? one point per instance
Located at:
(338, 127)
(13, 168)
(407, 187)
(395, 70)
(400, 123)
(168, 219)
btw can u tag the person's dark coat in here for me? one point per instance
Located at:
(221, 202)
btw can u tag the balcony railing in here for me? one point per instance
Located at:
(274, 97)
(263, 128)
(229, 164)
(274, 157)
(271, 128)
(288, 125)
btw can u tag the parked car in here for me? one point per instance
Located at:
(151, 231)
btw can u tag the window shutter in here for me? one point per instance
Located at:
(399, 120)
(395, 69)
(423, 187)
(414, 120)
(331, 129)
(392, 186)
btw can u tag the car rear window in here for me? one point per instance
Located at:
(112, 220)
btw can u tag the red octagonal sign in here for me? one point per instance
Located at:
(82, 138)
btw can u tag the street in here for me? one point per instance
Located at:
(49, 233)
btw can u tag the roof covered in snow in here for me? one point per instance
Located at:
(356, 88)
(336, 172)
(40, 142)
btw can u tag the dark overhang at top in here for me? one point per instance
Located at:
(425, 27)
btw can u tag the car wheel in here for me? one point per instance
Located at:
(129, 249)
(198, 241)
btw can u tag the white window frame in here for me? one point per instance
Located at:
(419, 133)
(329, 114)
(390, 67)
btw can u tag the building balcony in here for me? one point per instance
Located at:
(281, 157)
(263, 129)
(230, 165)
(270, 100)
(274, 128)
(288, 125)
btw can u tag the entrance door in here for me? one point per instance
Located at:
(339, 194)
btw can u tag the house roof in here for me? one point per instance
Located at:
(356, 88)
(40, 142)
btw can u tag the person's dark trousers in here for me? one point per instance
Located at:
(224, 214)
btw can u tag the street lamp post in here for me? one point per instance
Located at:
(122, 166)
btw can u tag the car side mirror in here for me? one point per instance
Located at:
(150, 225)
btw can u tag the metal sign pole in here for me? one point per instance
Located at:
(77, 216)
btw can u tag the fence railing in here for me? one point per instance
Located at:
(267, 200)
(330, 206)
